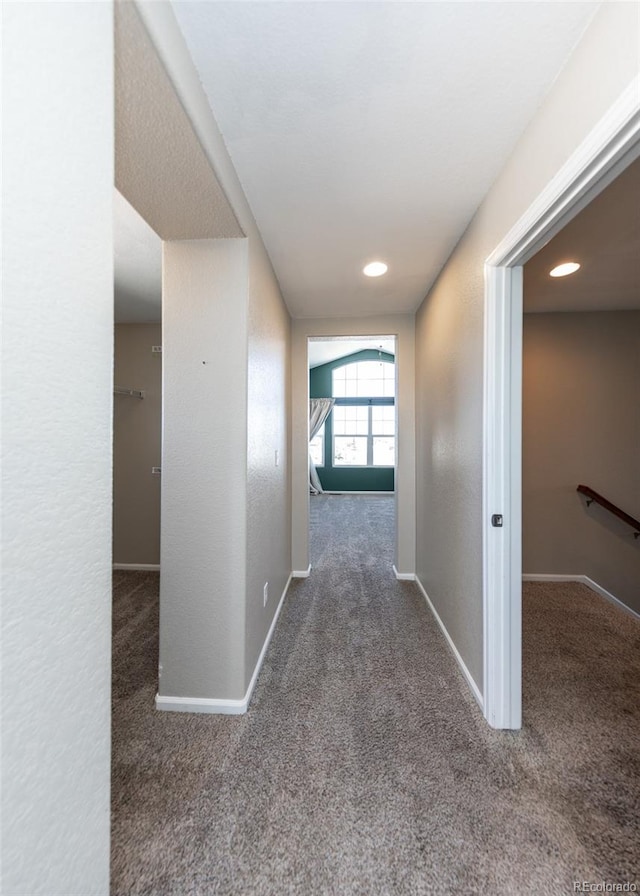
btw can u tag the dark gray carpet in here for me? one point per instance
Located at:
(364, 765)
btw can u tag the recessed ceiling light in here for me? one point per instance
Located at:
(562, 270)
(375, 269)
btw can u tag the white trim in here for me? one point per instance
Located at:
(502, 494)
(470, 681)
(144, 567)
(608, 143)
(201, 705)
(384, 494)
(404, 576)
(583, 580)
(221, 706)
(611, 145)
(267, 641)
(301, 573)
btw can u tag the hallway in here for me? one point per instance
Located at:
(363, 765)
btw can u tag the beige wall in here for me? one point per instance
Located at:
(203, 556)
(137, 445)
(450, 328)
(268, 505)
(581, 424)
(262, 368)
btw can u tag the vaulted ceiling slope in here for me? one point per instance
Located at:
(366, 130)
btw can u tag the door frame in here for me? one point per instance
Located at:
(609, 148)
(403, 328)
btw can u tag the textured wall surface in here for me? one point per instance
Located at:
(161, 167)
(449, 328)
(581, 424)
(56, 467)
(402, 326)
(137, 444)
(204, 463)
(267, 508)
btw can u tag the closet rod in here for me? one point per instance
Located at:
(120, 390)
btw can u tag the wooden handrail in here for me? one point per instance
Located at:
(590, 495)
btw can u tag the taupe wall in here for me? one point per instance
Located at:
(450, 328)
(263, 367)
(137, 445)
(202, 585)
(268, 505)
(581, 424)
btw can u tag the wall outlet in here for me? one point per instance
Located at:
(156, 349)
(265, 594)
(155, 471)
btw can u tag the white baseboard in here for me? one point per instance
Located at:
(583, 580)
(220, 706)
(404, 576)
(201, 704)
(267, 641)
(384, 494)
(301, 573)
(143, 567)
(475, 690)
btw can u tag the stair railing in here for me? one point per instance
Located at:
(592, 496)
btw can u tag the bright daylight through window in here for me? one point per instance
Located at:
(364, 414)
(316, 448)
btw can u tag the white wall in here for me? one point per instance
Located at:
(204, 463)
(56, 468)
(449, 328)
(402, 326)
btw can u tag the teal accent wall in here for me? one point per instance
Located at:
(347, 479)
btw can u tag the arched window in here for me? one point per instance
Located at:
(365, 379)
(364, 422)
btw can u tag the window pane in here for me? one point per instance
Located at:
(383, 422)
(384, 451)
(316, 448)
(351, 421)
(339, 421)
(364, 379)
(349, 451)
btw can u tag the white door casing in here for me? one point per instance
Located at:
(610, 147)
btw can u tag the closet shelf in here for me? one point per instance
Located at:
(121, 390)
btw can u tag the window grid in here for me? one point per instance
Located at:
(364, 436)
(365, 379)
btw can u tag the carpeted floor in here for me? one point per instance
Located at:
(363, 766)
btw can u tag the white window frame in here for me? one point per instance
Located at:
(370, 436)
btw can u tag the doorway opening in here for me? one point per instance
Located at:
(352, 423)
(607, 151)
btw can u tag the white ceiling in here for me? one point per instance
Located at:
(604, 238)
(137, 266)
(364, 130)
